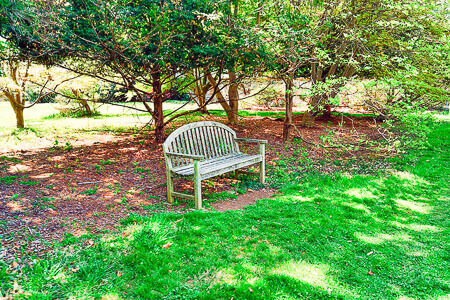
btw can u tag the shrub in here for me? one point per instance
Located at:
(33, 94)
(271, 98)
(409, 126)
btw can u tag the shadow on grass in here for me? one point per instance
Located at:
(327, 237)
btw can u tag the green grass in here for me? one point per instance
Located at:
(90, 191)
(380, 236)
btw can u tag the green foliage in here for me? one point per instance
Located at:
(10, 179)
(73, 113)
(90, 191)
(271, 98)
(33, 94)
(5, 278)
(9, 159)
(43, 203)
(410, 128)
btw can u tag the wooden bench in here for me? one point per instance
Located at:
(202, 150)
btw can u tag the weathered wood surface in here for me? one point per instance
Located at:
(202, 150)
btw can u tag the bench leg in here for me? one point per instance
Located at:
(262, 164)
(169, 187)
(262, 172)
(197, 186)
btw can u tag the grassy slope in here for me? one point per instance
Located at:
(319, 239)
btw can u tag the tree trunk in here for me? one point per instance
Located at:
(310, 115)
(228, 110)
(233, 94)
(16, 104)
(318, 100)
(200, 88)
(288, 121)
(326, 114)
(18, 110)
(202, 99)
(84, 104)
(158, 114)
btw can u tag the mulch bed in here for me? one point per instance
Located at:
(61, 192)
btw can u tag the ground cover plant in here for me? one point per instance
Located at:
(339, 228)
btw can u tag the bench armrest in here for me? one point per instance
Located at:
(191, 156)
(251, 140)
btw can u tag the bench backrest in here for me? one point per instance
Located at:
(208, 139)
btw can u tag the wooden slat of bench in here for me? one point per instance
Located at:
(220, 141)
(208, 142)
(183, 195)
(201, 138)
(222, 170)
(212, 142)
(219, 166)
(194, 143)
(206, 163)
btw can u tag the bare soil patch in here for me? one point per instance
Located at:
(244, 200)
(49, 195)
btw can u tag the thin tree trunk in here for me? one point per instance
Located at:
(221, 99)
(327, 112)
(288, 121)
(233, 94)
(200, 88)
(82, 102)
(158, 114)
(258, 13)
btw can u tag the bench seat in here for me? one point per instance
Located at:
(216, 166)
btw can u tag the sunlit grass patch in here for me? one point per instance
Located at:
(418, 227)
(360, 193)
(415, 206)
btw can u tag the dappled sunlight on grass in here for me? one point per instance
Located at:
(360, 193)
(418, 227)
(303, 271)
(227, 276)
(315, 275)
(358, 206)
(418, 253)
(380, 238)
(409, 178)
(274, 250)
(111, 296)
(415, 206)
(297, 198)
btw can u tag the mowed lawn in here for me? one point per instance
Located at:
(382, 236)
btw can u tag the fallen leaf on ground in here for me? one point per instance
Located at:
(166, 246)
